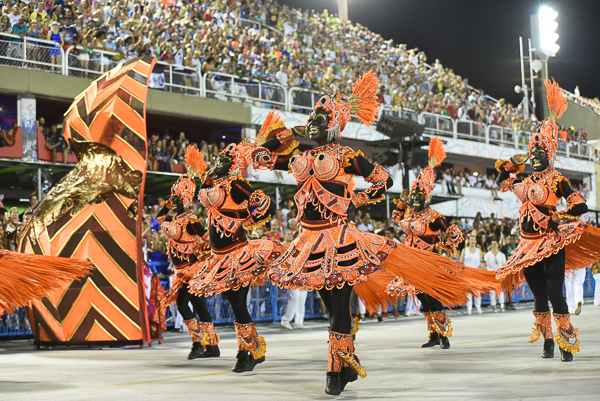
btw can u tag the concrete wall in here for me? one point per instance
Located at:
(55, 86)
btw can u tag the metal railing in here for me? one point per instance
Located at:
(231, 88)
(31, 53)
(594, 106)
(88, 63)
(180, 79)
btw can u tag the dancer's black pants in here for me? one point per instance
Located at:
(429, 303)
(546, 279)
(237, 300)
(199, 303)
(337, 301)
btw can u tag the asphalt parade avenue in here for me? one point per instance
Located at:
(490, 359)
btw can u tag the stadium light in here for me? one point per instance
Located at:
(547, 31)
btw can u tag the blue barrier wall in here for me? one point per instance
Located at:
(265, 304)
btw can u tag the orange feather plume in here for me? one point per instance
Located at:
(363, 101)
(557, 103)
(195, 160)
(272, 118)
(437, 154)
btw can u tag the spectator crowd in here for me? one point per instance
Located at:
(259, 40)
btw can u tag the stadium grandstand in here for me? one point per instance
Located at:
(222, 66)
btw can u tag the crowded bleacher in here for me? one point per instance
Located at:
(260, 41)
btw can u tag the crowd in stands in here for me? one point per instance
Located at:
(166, 152)
(261, 40)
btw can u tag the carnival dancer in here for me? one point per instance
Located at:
(423, 227)
(330, 254)
(235, 262)
(551, 240)
(185, 232)
(27, 277)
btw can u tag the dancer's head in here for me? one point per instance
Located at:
(544, 143)
(184, 189)
(332, 112)
(421, 187)
(232, 160)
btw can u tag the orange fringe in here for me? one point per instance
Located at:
(557, 103)
(585, 251)
(195, 159)
(440, 277)
(372, 292)
(27, 277)
(437, 154)
(363, 100)
(578, 255)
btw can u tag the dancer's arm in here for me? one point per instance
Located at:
(401, 207)
(259, 204)
(267, 156)
(454, 234)
(380, 180)
(515, 165)
(576, 205)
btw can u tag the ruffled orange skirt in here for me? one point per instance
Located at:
(183, 274)
(236, 266)
(581, 243)
(327, 256)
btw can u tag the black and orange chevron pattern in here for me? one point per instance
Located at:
(109, 305)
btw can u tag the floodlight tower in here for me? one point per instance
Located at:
(543, 33)
(343, 10)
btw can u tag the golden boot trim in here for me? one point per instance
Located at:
(566, 338)
(210, 336)
(249, 340)
(195, 332)
(341, 353)
(542, 326)
(355, 324)
(441, 323)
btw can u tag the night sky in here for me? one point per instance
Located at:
(479, 39)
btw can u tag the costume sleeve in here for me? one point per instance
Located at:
(400, 211)
(195, 227)
(259, 203)
(268, 156)
(505, 168)
(380, 180)
(576, 203)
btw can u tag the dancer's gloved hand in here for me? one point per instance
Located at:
(300, 130)
(520, 158)
(404, 195)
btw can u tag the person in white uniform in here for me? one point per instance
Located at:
(296, 304)
(574, 285)
(595, 269)
(494, 260)
(471, 257)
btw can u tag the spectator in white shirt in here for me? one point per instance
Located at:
(366, 225)
(494, 260)
(282, 76)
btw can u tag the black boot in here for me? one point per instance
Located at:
(445, 342)
(434, 339)
(245, 362)
(332, 383)
(548, 351)
(566, 356)
(347, 375)
(196, 352)
(212, 351)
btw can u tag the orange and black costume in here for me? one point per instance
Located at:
(234, 262)
(330, 254)
(423, 227)
(551, 240)
(423, 231)
(185, 247)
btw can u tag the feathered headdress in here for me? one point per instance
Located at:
(272, 127)
(426, 179)
(362, 103)
(185, 187)
(547, 135)
(241, 155)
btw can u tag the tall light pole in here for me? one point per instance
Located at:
(523, 85)
(343, 10)
(543, 34)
